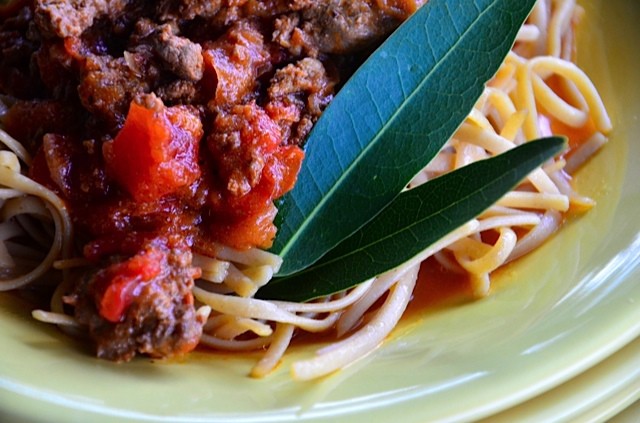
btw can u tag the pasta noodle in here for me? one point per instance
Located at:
(537, 87)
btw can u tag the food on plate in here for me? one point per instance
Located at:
(147, 144)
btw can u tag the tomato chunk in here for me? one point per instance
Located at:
(156, 151)
(247, 231)
(115, 286)
(233, 64)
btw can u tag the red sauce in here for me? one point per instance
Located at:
(115, 288)
(244, 208)
(576, 136)
(437, 287)
(171, 127)
(156, 151)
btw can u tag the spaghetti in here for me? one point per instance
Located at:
(537, 89)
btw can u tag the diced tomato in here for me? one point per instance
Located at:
(115, 287)
(247, 231)
(400, 9)
(283, 169)
(233, 64)
(156, 151)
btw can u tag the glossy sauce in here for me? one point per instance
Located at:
(437, 288)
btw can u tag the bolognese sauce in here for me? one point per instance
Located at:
(169, 127)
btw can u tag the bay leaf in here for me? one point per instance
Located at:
(390, 119)
(416, 219)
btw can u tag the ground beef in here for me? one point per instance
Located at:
(188, 9)
(15, 46)
(179, 55)
(180, 92)
(69, 18)
(303, 90)
(108, 85)
(341, 26)
(240, 135)
(161, 320)
(252, 76)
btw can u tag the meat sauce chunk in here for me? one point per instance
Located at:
(107, 87)
(188, 9)
(254, 166)
(235, 62)
(168, 127)
(141, 305)
(71, 18)
(156, 151)
(297, 95)
(340, 26)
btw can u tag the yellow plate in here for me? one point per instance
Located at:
(595, 395)
(557, 313)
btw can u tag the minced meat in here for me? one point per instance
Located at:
(169, 126)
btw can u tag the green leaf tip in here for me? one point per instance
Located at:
(414, 220)
(390, 119)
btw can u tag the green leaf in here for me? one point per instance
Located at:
(391, 118)
(415, 220)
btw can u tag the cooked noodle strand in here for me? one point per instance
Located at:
(537, 88)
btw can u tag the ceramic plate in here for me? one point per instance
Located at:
(595, 395)
(554, 314)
